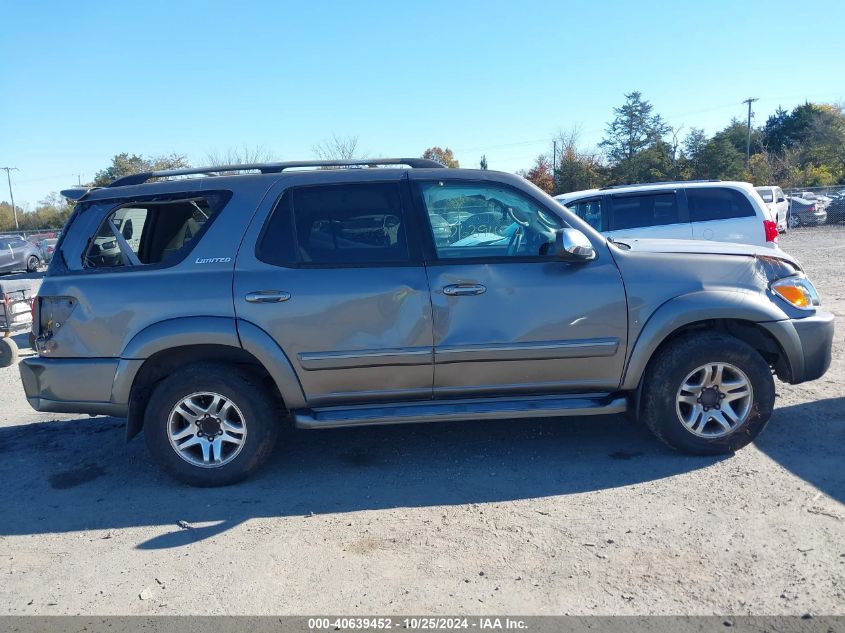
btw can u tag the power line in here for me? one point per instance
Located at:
(8, 171)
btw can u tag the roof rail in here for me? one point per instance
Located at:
(272, 168)
(665, 182)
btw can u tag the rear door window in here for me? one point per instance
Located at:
(712, 203)
(643, 210)
(348, 224)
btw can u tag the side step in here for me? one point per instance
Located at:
(449, 410)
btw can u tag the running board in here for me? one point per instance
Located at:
(450, 410)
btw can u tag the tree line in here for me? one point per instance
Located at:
(802, 147)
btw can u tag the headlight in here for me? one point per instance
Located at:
(797, 291)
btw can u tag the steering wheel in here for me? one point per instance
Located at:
(513, 216)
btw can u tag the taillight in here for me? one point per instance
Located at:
(771, 230)
(812, 208)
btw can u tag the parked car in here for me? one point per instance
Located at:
(805, 212)
(775, 200)
(821, 201)
(47, 247)
(689, 210)
(836, 209)
(18, 254)
(249, 300)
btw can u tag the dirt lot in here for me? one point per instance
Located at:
(549, 517)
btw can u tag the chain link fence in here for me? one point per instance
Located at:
(33, 236)
(816, 207)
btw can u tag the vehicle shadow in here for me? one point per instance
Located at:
(809, 440)
(80, 475)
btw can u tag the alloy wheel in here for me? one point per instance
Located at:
(714, 400)
(206, 429)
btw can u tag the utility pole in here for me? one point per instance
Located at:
(749, 101)
(8, 170)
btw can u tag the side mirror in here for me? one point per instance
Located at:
(127, 230)
(781, 200)
(573, 245)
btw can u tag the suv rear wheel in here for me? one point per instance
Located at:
(210, 425)
(707, 394)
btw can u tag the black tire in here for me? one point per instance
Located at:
(32, 263)
(8, 352)
(261, 415)
(675, 361)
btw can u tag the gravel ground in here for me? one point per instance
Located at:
(588, 516)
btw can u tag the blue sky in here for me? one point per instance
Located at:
(82, 81)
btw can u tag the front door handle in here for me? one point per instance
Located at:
(462, 290)
(267, 296)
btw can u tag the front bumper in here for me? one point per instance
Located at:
(807, 344)
(71, 385)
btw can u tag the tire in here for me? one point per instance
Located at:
(8, 352)
(675, 363)
(793, 221)
(259, 415)
(32, 264)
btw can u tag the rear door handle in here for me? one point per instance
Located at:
(267, 296)
(461, 290)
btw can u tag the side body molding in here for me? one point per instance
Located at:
(261, 345)
(701, 306)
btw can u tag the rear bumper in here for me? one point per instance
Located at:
(71, 385)
(807, 344)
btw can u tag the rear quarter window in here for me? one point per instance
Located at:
(718, 203)
(138, 233)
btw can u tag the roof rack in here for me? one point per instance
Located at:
(272, 168)
(665, 182)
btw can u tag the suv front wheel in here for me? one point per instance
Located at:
(210, 425)
(707, 393)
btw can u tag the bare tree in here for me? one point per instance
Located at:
(241, 156)
(338, 148)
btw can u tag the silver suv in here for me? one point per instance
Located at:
(209, 309)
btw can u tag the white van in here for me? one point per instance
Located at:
(688, 210)
(777, 204)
